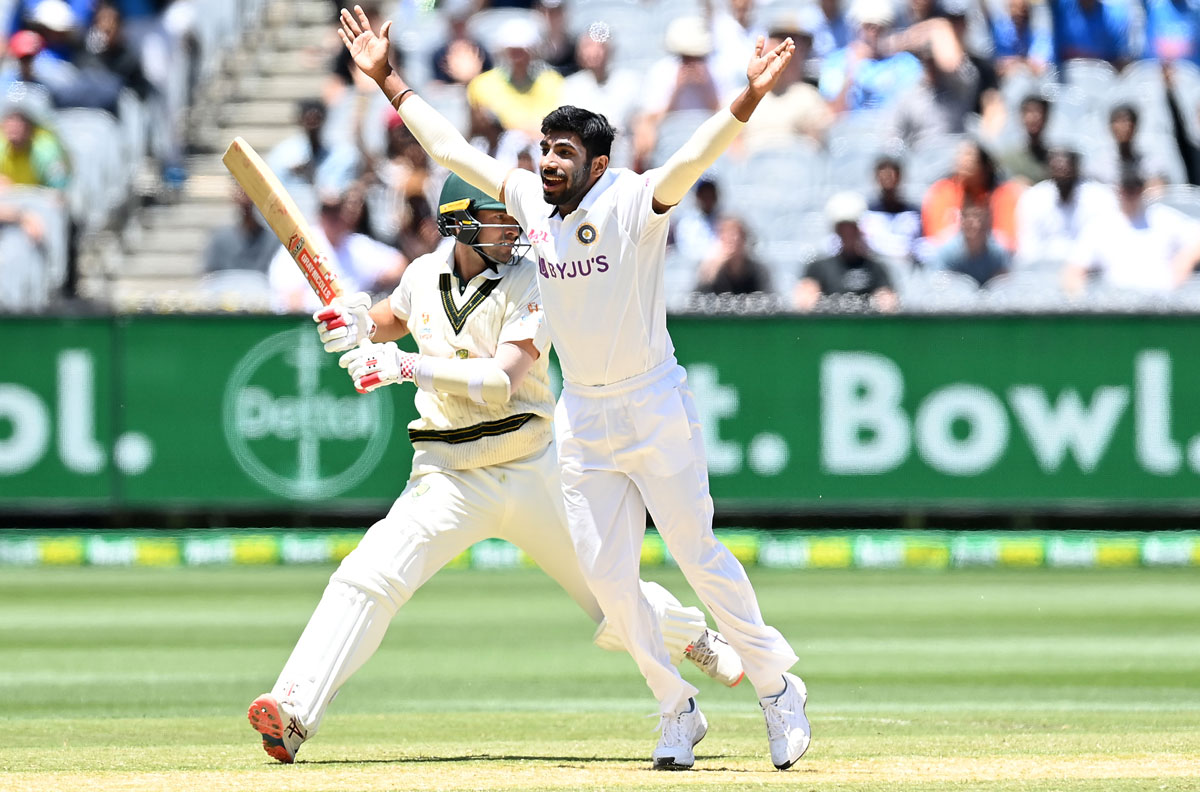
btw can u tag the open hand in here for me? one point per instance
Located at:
(765, 67)
(369, 50)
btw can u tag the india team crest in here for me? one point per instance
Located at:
(586, 233)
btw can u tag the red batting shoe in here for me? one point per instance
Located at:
(282, 732)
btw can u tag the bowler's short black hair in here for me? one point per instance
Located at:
(593, 129)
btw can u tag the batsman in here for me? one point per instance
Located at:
(484, 462)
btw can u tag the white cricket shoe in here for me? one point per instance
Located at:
(788, 731)
(681, 731)
(282, 732)
(713, 655)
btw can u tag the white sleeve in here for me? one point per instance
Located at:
(635, 205)
(401, 299)
(524, 319)
(449, 148)
(673, 180)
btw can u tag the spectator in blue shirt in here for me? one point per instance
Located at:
(867, 74)
(1173, 30)
(23, 13)
(973, 251)
(1090, 29)
(1019, 39)
(831, 31)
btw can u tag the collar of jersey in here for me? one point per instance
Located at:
(593, 194)
(448, 266)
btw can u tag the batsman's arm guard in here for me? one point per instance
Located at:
(482, 380)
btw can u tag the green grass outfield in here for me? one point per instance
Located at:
(138, 679)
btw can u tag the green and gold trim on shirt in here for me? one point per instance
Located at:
(458, 316)
(474, 432)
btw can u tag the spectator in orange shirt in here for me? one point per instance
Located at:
(974, 181)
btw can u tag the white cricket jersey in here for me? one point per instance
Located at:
(448, 322)
(600, 271)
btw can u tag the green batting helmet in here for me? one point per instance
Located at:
(457, 206)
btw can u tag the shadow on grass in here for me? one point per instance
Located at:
(562, 760)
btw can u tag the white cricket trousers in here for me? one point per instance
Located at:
(634, 446)
(442, 513)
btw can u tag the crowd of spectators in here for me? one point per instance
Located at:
(975, 138)
(972, 138)
(120, 57)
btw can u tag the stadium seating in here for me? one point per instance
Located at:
(100, 181)
(1029, 289)
(673, 131)
(487, 24)
(236, 290)
(638, 37)
(779, 192)
(940, 291)
(26, 283)
(1184, 197)
(52, 254)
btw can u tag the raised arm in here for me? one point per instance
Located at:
(679, 173)
(437, 136)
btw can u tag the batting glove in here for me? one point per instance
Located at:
(372, 365)
(345, 322)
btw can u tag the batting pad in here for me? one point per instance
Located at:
(344, 631)
(679, 626)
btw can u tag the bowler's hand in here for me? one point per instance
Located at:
(373, 365)
(369, 51)
(765, 67)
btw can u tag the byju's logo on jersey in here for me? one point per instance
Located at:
(572, 269)
(586, 233)
(295, 425)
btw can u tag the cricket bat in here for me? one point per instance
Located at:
(283, 216)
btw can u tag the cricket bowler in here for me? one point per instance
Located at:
(483, 461)
(626, 426)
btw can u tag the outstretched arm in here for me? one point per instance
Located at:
(482, 380)
(679, 173)
(436, 135)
